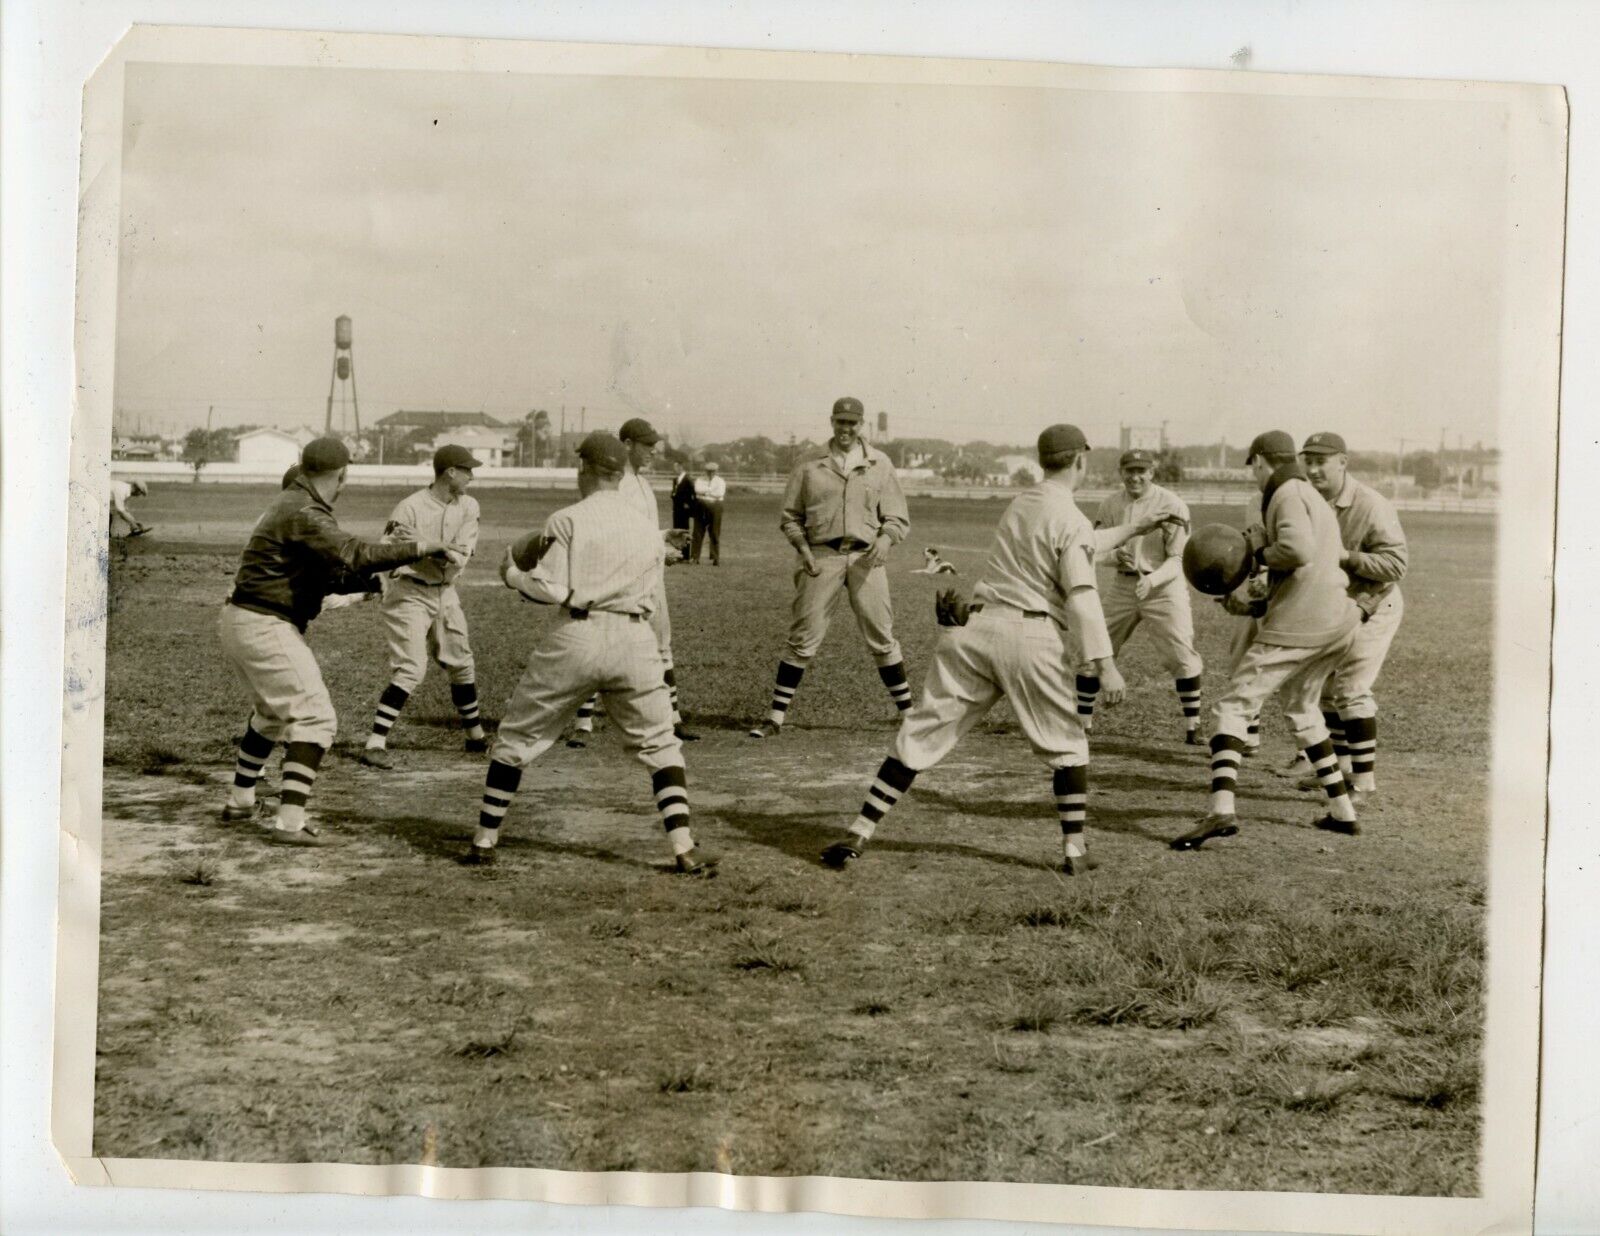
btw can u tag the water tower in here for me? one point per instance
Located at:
(343, 382)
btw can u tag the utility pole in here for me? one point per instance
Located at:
(1399, 462)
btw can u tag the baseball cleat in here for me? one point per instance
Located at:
(696, 862)
(476, 746)
(231, 814)
(1349, 828)
(765, 730)
(841, 852)
(684, 735)
(307, 836)
(377, 757)
(477, 856)
(1208, 828)
(1191, 738)
(1077, 866)
(1308, 783)
(576, 742)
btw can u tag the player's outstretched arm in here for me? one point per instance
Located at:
(317, 531)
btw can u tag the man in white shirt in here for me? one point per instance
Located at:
(709, 491)
(121, 492)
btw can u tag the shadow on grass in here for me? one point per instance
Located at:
(803, 835)
(447, 841)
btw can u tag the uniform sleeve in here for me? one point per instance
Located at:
(1075, 563)
(549, 581)
(468, 536)
(1290, 541)
(1382, 553)
(316, 530)
(893, 516)
(1076, 578)
(792, 523)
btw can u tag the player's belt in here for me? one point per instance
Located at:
(582, 615)
(424, 583)
(977, 606)
(1131, 574)
(846, 544)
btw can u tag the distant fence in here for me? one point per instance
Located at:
(177, 472)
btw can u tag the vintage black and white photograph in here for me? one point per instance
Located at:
(815, 617)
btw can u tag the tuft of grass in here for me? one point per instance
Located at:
(766, 954)
(610, 929)
(695, 1078)
(203, 873)
(872, 1008)
(489, 1049)
(158, 760)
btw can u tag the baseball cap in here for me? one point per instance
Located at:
(604, 453)
(1059, 439)
(324, 455)
(639, 430)
(848, 409)
(452, 456)
(1137, 458)
(1324, 444)
(1273, 442)
(291, 476)
(712, 465)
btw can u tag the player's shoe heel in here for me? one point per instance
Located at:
(842, 852)
(1211, 827)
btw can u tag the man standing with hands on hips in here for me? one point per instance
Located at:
(843, 511)
(709, 491)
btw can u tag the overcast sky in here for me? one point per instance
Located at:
(728, 257)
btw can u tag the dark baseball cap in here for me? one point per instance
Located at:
(1273, 442)
(324, 455)
(1137, 458)
(1059, 439)
(848, 409)
(604, 453)
(1324, 444)
(639, 430)
(452, 456)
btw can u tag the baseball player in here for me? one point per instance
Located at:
(296, 555)
(422, 616)
(640, 439)
(709, 492)
(1149, 587)
(843, 512)
(348, 587)
(1305, 626)
(599, 561)
(1374, 560)
(121, 493)
(1035, 600)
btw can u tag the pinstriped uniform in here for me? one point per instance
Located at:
(636, 489)
(602, 559)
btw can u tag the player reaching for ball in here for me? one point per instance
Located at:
(122, 492)
(1034, 609)
(1305, 626)
(598, 560)
(1148, 587)
(296, 555)
(422, 616)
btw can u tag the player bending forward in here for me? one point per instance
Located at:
(1306, 626)
(422, 616)
(1034, 608)
(600, 561)
(296, 555)
(1149, 587)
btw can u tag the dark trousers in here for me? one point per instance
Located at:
(683, 518)
(707, 526)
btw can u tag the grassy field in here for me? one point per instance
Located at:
(1286, 1010)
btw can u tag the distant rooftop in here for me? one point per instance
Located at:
(440, 420)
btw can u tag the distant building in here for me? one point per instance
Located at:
(272, 449)
(493, 442)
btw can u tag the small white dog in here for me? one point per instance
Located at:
(934, 565)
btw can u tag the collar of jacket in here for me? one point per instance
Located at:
(1291, 471)
(1346, 494)
(300, 482)
(872, 458)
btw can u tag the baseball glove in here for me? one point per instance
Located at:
(950, 608)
